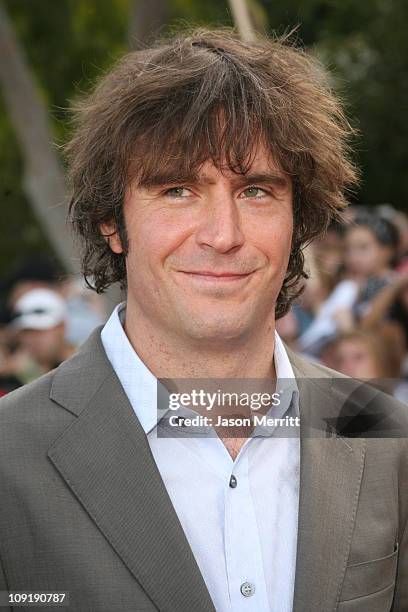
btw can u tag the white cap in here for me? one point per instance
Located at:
(39, 309)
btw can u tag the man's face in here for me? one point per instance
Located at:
(207, 258)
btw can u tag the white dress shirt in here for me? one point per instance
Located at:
(243, 537)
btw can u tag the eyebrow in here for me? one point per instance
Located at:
(162, 178)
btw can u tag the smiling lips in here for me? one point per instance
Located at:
(217, 276)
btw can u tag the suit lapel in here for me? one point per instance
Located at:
(106, 461)
(330, 477)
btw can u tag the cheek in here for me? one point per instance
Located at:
(356, 253)
(152, 238)
(348, 254)
(274, 239)
(372, 253)
(27, 340)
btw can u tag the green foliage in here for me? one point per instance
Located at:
(19, 229)
(366, 45)
(200, 13)
(67, 44)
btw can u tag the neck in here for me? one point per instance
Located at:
(171, 356)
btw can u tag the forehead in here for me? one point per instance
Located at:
(360, 233)
(261, 161)
(355, 344)
(259, 165)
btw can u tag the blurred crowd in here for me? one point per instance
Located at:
(352, 315)
(44, 317)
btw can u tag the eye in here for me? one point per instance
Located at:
(251, 192)
(176, 192)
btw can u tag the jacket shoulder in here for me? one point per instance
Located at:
(307, 367)
(29, 420)
(353, 407)
(25, 398)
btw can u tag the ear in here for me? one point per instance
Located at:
(111, 235)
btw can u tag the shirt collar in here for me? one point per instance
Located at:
(140, 384)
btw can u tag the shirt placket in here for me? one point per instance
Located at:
(243, 553)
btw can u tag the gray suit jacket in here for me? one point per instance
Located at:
(83, 508)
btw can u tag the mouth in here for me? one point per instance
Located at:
(207, 276)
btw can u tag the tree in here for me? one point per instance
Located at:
(43, 181)
(366, 47)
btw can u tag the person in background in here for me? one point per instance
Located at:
(8, 380)
(371, 247)
(391, 303)
(328, 257)
(35, 272)
(371, 355)
(371, 244)
(38, 321)
(323, 263)
(400, 220)
(85, 310)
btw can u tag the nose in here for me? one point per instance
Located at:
(220, 228)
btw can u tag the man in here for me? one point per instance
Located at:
(39, 319)
(200, 167)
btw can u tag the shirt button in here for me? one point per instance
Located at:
(247, 589)
(233, 482)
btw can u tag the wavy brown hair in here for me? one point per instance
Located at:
(198, 95)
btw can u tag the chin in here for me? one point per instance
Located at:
(218, 331)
